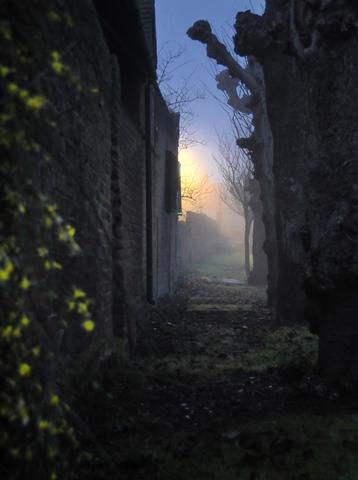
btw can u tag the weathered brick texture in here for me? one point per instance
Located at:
(100, 174)
(79, 176)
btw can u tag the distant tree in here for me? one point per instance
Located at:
(241, 121)
(245, 89)
(194, 189)
(236, 170)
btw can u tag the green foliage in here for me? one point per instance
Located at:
(38, 438)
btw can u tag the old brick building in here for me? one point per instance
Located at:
(114, 173)
(145, 138)
(144, 148)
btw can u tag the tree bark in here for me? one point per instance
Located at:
(262, 146)
(310, 69)
(284, 91)
(247, 230)
(259, 272)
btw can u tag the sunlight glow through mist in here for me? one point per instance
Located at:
(189, 163)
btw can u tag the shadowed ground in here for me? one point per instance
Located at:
(219, 391)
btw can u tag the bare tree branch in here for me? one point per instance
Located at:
(229, 85)
(195, 188)
(236, 170)
(165, 68)
(179, 96)
(201, 31)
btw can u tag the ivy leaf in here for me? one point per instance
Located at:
(25, 283)
(36, 102)
(24, 369)
(88, 325)
(6, 271)
(78, 293)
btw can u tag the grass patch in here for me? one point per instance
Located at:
(213, 397)
(239, 293)
(218, 351)
(209, 307)
(286, 346)
(221, 265)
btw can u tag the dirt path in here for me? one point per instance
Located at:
(218, 391)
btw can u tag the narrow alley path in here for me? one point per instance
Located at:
(219, 391)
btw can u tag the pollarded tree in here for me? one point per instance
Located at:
(242, 127)
(308, 50)
(259, 143)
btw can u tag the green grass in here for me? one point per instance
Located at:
(217, 307)
(166, 446)
(286, 346)
(241, 294)
(221, 265)
(217, 352)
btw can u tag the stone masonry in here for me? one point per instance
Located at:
(109, 148)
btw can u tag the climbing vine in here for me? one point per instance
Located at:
(38, 299)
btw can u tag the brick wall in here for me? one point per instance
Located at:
(130, 163)
(99, 173)
(79, 176)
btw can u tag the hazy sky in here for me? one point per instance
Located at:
(174, 17)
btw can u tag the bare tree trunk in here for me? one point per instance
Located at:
(284, 108)
(313, 108)
(248, 223)
(263, 159)
(259, 271)
(260, 143)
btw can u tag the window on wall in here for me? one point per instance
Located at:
(172, 183)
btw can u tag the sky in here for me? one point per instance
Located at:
(173, 18)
